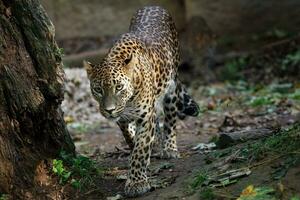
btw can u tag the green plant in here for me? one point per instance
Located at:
(59, 169)
(240, 86)
(272, 95)
(295, 198)
(76, 184)
(226, 41)
(282, 88)
(291, 59)
(79, 170)
(277, 33)
(260, 100)
(221, 153)
(274, 33)
(214, 139)
(207, 194)
(281, 170)
(3, 196)
(79, 128)
(295, 95)
(285, 141)
(200, 180)
(233, 67)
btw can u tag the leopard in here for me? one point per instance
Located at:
(136, 83)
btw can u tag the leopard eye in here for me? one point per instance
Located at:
(98, 90)
(119, 87)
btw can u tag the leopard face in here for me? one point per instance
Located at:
(114, 81)
(111, 87)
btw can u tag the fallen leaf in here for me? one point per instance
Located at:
(248, 191)
(204, 148)
(117, 197)
(68, 119)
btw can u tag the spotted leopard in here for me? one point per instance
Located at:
(139, 74)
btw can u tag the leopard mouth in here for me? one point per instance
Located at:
(112, 116)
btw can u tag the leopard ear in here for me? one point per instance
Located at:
(88, 67)
(130, 62)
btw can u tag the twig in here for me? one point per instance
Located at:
(226, 195)
(272, 159)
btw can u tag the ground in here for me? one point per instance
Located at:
(226, 108)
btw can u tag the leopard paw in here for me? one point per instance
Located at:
(134, 189)
(167, 154)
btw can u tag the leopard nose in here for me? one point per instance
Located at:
(109, 104)
(110, 109)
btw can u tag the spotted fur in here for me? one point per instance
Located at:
(138, 73)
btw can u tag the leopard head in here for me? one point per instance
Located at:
(111, 87)
(112, 82)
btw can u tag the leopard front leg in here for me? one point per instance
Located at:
(128, 129)
(137, 182)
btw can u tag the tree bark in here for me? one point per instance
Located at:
(32, 129)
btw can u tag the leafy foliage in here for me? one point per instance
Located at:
(281, 170)
(233, 67)
(286, 141)
(79, 169)
(59, 169)
(199, 180)
(295, 95)
(3, 196)
(272, 95)
(207, 194)
(261, 100)
(295, 198)
(292, 59)
(274, 33)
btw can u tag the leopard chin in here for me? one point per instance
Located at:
(114, 119)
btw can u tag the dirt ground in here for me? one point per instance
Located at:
(225, 108)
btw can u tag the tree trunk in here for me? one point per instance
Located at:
(32, 129)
